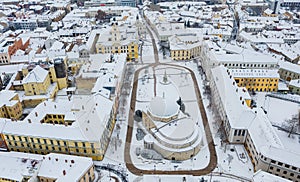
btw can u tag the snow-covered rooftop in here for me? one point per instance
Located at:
(289, 66)
(64, 167)
(239, 114)
(6, 98)
(91, 114)
(38, 74)
(262, 176)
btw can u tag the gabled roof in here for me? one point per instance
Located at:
(38, 74)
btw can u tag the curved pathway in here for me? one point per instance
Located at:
(129, 164)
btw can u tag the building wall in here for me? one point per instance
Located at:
(32, 102)
(37, 88)
(165, 119)
(52, 74)
(4, 58)
(62, 83)
(6, 180)
(181, 54)
(294, 89)
(288, 75)
(269, 165)
(43, 145)
(14, 112)
(185, 54)
(233, 135)
(180, 156)
(258, 84)
(45, 179)
(88, 176)
(131, 49)
(55, 119)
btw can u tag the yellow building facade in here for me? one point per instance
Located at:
(185, 54)
(49, 128)
(43, 145)
(184, 47)
(118, 41)
(256, 79)
(36, 82)
(10, 105)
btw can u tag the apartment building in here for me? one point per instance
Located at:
(289, 71)
(10, 46)
(77, 126)
(185, 47)
(232, 107)
(10, 105)
(120, 39)
(18, 166)
(261, 80)
(252, 128)
(233, 57)
(294, 86)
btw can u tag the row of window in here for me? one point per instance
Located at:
(239, 132)
(285, 173)
(288, 73)
(48, 147)
(254, 84)
(44, 141)
(284, 165)
(246, 65)
(267, 80)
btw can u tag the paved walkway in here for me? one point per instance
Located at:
(129, 164)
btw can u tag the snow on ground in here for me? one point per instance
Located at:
(229, 161)
(234, 161)
(147, 50)
(278, 110)
(184, 84)
(106, 176)
(291, 143)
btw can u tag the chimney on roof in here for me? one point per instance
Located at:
(36, 114)
(64, 172)
(29, 120)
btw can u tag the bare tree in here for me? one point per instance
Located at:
(292, 125)
(100, 15)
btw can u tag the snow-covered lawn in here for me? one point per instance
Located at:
(183, 81)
